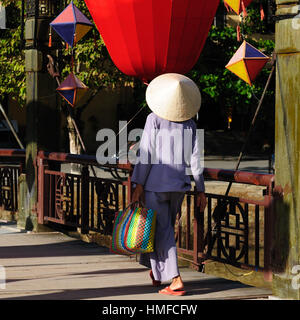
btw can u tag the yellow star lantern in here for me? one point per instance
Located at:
(238, 6)
(247, 62)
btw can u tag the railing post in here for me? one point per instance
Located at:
(85, 200)
(15, 189)
(198, 223)
(43, 189)
(268, 235)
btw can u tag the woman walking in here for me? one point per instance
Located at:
(169, 153)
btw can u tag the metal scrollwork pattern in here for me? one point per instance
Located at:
(6, 184)
(107, 204)
(229, 231)
(63, 197)
(233, 234)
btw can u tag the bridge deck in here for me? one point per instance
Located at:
(47, 266)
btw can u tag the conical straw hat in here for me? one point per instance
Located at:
(173, 97)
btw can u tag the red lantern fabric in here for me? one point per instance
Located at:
(146, 38)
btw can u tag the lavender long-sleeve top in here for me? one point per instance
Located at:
(169, 153)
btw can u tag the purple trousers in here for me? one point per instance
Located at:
(163, 261)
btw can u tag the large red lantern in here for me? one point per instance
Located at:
(146, 38)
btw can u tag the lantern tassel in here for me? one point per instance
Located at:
(145, 81)
(50, 38)
(262, 13)
(74, 39)
(238, 33)
(245, 14)
(226, 6)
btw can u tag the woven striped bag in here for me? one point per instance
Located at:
(118, 235)
(141, 231)
(134, 231)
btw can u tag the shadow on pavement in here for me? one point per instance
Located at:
(66, 248)
(204, 286)
(97, 272)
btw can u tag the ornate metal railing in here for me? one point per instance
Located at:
(80, 200)
(239, 234)
(12, 165)
(232, 230)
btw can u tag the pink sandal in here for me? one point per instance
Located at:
(169, 291)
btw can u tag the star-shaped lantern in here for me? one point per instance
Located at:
(238, 6)
(71, 24)
(72, 89)
(247, 62)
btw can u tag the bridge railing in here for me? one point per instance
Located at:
(11, 166)
(81, 200)
(234, 230)
(239, 236)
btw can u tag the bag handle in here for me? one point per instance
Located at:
(139, 203)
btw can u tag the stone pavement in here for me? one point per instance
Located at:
(54, 266)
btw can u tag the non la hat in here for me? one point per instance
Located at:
(173, 97)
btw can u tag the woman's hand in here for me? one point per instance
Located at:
(201, 201)
(138, 194)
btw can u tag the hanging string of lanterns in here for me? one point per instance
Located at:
(248, 61)
(145, 38)
(71, 25)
